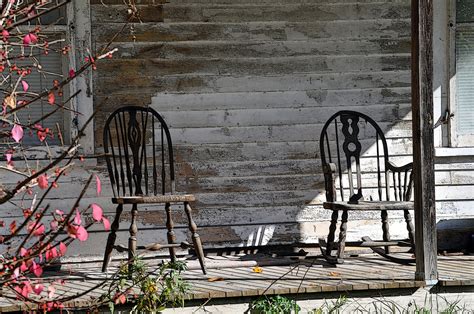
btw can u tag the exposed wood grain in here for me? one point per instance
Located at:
(423, 143)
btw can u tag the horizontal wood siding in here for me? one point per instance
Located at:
(246, 87)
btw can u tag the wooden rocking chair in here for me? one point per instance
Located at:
(386, 187)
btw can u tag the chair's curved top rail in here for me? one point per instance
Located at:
(139, 152)
(351, 115)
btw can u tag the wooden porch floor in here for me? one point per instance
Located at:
(234, 276)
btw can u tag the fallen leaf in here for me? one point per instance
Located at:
(334, 274)
(257, 269)
(212, 279)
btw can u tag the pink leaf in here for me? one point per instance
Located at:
(51, 291)
(26, 290)
(17, 133)
(38, 288)
(82, 234)
(51, 253)
(39, 230)
(34, 38)
(16, 273)
(9, 160)
(42, 181)
(106, 223)
(25, 85)
(30, 39)
(54, 225)
(36, 269)
(98, 185)
(72, 231)
(27, 40)
(17, 289)
(51, 98)
(62, 249)
(96, 212)
(23, 267)
(120, 298)
(23, 252)
(77, 218)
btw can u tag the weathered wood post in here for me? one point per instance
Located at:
(423, 142)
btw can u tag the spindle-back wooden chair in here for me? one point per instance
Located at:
(139, 157)
(360, 177)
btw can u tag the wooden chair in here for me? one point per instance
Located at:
(139, 156)
(350, 142)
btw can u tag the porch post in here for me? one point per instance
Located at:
(423, 142)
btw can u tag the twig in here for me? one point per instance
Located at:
(30, 18)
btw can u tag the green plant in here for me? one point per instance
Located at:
(274, 305)
(151, 291)
(334, 307)
(382, 306)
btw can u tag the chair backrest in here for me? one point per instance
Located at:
(139, 152)
(354, 146)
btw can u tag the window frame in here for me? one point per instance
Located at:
(455, 140)
(62, 32)
(77, 34)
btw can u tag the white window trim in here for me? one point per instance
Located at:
(445, 138)
(80, 40)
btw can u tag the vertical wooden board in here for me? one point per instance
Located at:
(423, 142)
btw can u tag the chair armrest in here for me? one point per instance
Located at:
(329, 171)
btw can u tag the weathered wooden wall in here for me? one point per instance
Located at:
(245, 87)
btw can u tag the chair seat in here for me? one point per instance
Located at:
(369, 205)
(153, 199)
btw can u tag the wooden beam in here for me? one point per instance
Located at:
(423, 142)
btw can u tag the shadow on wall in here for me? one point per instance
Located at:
(304, 223)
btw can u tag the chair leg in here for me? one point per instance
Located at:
(112, 237)
(385, 229)
(332, 231)
(171, 234)
(195, 237)
(410, 228)
(132, 240)
(342, 237)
